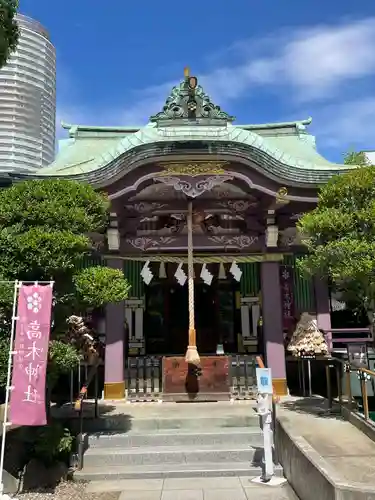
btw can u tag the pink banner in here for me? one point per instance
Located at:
(27, 398)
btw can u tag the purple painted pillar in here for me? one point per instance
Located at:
(114, 384)
(323, 312)
(273, 325)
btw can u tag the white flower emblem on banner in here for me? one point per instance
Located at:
(34, 302)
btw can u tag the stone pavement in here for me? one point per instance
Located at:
(220, 488)
(349, 453)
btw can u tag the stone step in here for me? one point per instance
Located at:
(164, 471)
(113, 457)
(124, 423)
(174, 437)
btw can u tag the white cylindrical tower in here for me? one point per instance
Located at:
(28, 101)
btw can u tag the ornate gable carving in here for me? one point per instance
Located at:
(188, 102)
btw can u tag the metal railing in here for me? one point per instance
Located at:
(362, 401)
(349, 384)
(92, 375)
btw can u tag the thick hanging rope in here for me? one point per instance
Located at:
(192, 356)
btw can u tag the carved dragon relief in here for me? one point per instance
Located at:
(223, 229)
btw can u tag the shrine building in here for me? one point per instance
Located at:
(247, 186)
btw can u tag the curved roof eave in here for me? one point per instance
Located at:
(90, 128)
(266, 126)
(246, 138)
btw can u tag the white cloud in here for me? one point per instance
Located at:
(350, 125)
(310, 65)
(326, 57)
(313, 61)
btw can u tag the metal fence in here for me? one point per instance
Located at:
(243, 377)
(144, 378)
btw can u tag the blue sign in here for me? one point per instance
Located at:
(264, 380)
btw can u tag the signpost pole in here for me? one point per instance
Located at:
(8, 389)
(266, 419)
(309, 376)
(265, 392)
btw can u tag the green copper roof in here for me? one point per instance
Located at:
(294, 152)
(283, 150)
(79, 155)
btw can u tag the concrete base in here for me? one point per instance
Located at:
(273, 482)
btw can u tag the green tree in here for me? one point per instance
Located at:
(340, 234)
(47, 228)
(8, 29)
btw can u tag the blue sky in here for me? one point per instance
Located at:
(262, 61)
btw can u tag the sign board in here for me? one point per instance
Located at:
(264, 380)
(287, 294)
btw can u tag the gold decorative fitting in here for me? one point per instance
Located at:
(193, 169)
(281, 194)
(193, 82)
(186, 72)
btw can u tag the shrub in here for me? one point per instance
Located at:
(51, 443)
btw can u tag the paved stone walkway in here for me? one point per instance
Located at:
(349, 452)
(220, 488)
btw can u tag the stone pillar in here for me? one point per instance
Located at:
(114, 382)
(273, 325)
(323, 312)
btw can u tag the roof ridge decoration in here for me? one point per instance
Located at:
(188, 103)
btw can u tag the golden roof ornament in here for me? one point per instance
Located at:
(192, 81)
(193, 169)
(188, 101)
(281, 195)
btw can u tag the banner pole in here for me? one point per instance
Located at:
(8, 388)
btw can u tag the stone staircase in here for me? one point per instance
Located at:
(172, 440)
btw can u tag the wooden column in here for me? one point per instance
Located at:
(114, 381)
(273, 325)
